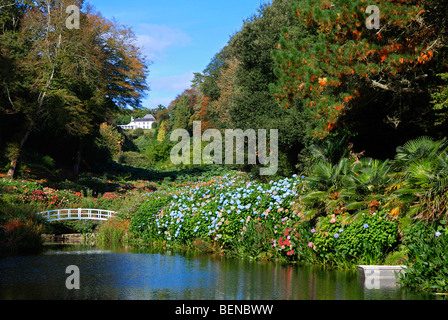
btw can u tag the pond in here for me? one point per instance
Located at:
(131, 274)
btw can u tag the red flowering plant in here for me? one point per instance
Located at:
(51, 198)
(110, 196)
(112, 200)
(21, 235)
(16, 187)
(294, 239)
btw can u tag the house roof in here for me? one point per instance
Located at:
(148, 117)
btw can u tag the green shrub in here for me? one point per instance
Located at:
(142, 142)
(227, 213)
(158, 152)
(142, 223)
(138, 132)
(21, 236)
(256, 241)
(428, 267)
(399, 257)
(367, 240)
(112, 232)
(134, 159)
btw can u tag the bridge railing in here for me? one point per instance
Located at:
(77, 214)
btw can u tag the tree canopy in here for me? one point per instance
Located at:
(317, 72)
(62, 81)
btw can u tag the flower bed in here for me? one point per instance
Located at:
(223, 210)
(258, 220)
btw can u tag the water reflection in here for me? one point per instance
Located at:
(130, 275)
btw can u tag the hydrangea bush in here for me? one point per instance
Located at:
(366, 240)
(227, 210)
(258, 220)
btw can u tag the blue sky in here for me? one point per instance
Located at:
(179, 37)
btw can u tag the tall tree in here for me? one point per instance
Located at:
(242, 74)
(72, 78)
(354, 79)
(182, 113)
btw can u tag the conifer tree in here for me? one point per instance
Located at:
(338, 60)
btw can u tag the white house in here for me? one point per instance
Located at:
(144, 123)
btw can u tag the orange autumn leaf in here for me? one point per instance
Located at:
(323, 81)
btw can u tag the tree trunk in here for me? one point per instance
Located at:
(120, 148)
(12, 167)
(16, 157)
(77, 163)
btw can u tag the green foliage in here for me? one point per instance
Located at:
(142, 223)
(428, 269)
(440, 101)
(416, 150)
(398, 257)
(227, 214)
(111, 139)
(112, 233)
(83, 226)
(158, 153)
(423, 164)
(20, 228)
(371, 236)
(138, 132)
(207, 80)
(350, 185)
(182, 113)
(237, 80)
(349, 79)
(256, 241)
(366, 240)
(162, 130)
(64, 83)
(134, 159)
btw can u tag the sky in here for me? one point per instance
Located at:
(178, 37)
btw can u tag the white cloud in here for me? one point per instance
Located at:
(172, 84)
(155, 40)
(166, 89)
(153, 103)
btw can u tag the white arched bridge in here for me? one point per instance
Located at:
(77, 214)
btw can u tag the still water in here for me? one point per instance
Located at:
(151, 275)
